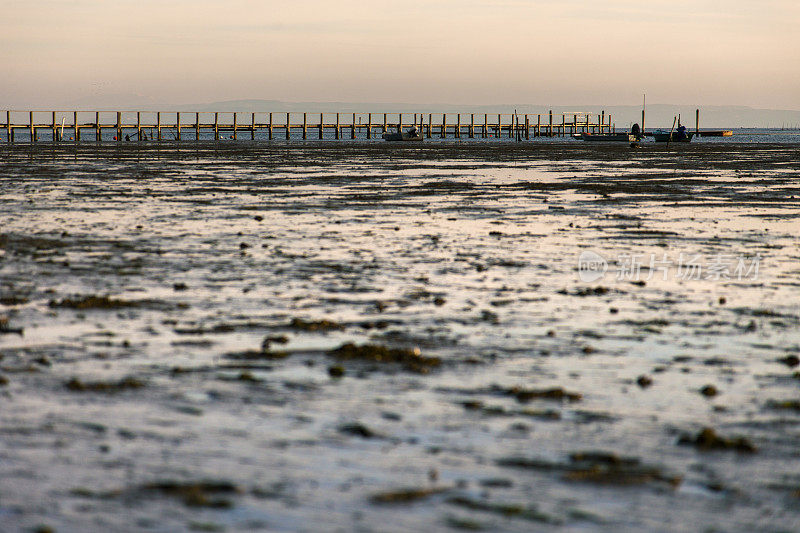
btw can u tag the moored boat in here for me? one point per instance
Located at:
(411, 135)
(662, 136)
(610, 137)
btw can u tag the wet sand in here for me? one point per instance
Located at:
(359, 336)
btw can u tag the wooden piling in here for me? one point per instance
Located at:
(550, 129)
(31, 127)
(400, 122)
(472, 125)
(8, 125)
(304, 126)
(288, 126)
(216, 126)
(602, 120)
(369, 126)
(119, 126)
(444, 125)
(538, 126)
(353, 127)
(158, 119)
(55, 130)
(499, 130)
(338, 128)
(235, 126)
(458, 126)
(97, 132)
(178, 126)
(196, 126)
(270, 126)
(527, 127)
(697, 122)
(252, 126)
(77, 126)
(485, 125)
(430, 121)
(384, 123)
(321, 126)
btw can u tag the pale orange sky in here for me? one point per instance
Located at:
(549, 52)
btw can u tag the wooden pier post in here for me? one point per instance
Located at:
(288, 126)
(197, 126)
(270, 126)
(119, 126)
(472, 125)
(499, 130)
(369, 126)
(216, 126)
(527, 127)
(8, 125)
(697, 122)
(138, 125)
(538, 126)
(97, 132)
(353, 128)
(602, 120)
(485, 125)
(587, 123)
(338, 128)
(158, 119)
(55, 130)
(234, 125)
(563, 125)
(400, 122)
(430, 122)
(252, 126)
(321, 125)
(304, 126)
(77, 126)
(384, 123)
(178, 126)
(550, 129)
(444, 125)
(31, 127)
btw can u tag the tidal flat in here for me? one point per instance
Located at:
(366, 337)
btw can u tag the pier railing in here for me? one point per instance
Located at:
(76, 126)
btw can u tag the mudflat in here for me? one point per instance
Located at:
(449, 336)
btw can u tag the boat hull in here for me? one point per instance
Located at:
(610, 137)
(402, 137)
(665, 137)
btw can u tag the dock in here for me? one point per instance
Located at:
(119, 126)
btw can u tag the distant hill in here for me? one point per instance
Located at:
(658, 115)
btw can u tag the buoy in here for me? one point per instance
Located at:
(115, 137)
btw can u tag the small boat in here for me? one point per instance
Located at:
(610, 137)
(662, 136)
(411, 135)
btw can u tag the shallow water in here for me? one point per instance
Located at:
(468, 252)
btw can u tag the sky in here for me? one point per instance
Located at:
(468, 52)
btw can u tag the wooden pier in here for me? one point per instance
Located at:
(121, 126)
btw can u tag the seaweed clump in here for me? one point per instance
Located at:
(707, 440)
(556, 393)
(406, 495)
(197, 494)
(599, 467)
(314, 325)
(127, 383)
(92, 302)
(409, 358)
